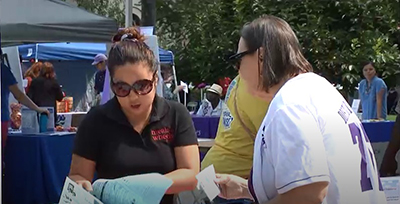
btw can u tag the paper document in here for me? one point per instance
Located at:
(355, 105)
(72, 193)
(186, 88)
(138, 189)
(206, 182)
(391, 186)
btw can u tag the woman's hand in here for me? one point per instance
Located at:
(178, 89)
(232, 187)
(85, 184)
(43, 110)
(82, 182)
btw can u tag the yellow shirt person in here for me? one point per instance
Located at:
(238, 126)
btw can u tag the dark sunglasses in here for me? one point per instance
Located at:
(140, 87)
(237, 58)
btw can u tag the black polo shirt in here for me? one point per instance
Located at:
(106, 137)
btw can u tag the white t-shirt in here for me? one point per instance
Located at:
(206, 108)
(310, 134)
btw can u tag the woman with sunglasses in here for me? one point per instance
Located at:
(310, 147)
(136, 132)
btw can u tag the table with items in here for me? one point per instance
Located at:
(36, 164)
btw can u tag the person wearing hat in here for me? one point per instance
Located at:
(212, 104)
(100, 62)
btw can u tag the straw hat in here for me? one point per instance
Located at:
(215, 88)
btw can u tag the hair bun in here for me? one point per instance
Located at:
(132, 33)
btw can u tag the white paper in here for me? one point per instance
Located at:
(206, 180)
(138, 189)
(185, 89)
(72, 193)
(391, 186)
(355, 106)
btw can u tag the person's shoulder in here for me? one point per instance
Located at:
(379, 80)
(94, 114)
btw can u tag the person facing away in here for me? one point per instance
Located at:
(45, 90)
(373, 94)
(311, 147)
(32, 73)
(212, 104)
(136, 132)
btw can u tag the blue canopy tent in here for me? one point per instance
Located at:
(72, 63)
(74, 51)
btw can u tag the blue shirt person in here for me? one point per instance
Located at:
(9, 85)
(373, 94)
(7, 80)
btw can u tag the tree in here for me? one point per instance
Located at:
(337, 36)
(109, 8)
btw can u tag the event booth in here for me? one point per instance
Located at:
(72, 63)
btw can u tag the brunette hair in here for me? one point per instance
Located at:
(34, 70)
(363, 64)
(282, 56)
(129, 47)
(48, 71)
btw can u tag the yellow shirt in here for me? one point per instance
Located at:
(233, 149)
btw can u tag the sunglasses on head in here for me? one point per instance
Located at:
(140, 87)
(237, 58)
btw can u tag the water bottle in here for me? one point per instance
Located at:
(43, 122)
(139, 189)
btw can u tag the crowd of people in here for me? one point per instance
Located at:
(285, 135)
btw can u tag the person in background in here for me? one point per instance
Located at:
(45, 90)
(212, 103)
(232, 152)
(9, 84)
(310, 146)
(166, 73)
(100, 62)
(136, 132)
(373, 94)
(32, 73)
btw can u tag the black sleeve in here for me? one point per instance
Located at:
(185, 133)
(87, 140)
(57, 91)
(31, 89)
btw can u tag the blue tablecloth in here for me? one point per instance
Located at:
(206, 127)
(378, 131)
(36, 167)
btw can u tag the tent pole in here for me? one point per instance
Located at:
(174, 73)
(36, 53)
(128, 13)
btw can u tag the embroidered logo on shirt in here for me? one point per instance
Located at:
(227, 118)
(231, 85)
(344, 111)
(163, 134)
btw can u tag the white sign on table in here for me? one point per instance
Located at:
(391, 186)
(72, 193)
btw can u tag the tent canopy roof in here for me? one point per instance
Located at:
(31, 21)
(74, 51)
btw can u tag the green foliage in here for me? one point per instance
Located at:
(337, 36)
(109, 8)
